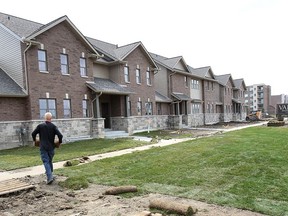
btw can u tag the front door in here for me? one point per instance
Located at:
(106, 114)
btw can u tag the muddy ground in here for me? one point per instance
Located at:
(54, 200)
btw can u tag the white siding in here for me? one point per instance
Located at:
(10, 56)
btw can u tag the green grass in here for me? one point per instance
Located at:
(29, 155)
(246, 169)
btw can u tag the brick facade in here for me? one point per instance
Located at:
(53, 82)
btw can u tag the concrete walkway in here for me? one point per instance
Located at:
(37, 170)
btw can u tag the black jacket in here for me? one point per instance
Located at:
(47, 132)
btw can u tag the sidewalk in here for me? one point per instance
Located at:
(37, 170)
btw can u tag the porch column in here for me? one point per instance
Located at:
(127, 106)
(178, 109)
(97, 106)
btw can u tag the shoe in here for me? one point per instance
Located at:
(50, 181)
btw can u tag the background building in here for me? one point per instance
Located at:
(258, 97)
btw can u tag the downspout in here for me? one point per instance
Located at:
(30, 42)
(170, 85)
(203, 104)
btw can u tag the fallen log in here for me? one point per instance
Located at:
(120, 189)
(173, 207)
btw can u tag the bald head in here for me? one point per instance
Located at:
(48, 116)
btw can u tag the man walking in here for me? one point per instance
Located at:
(47, 131)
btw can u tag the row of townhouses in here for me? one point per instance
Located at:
(92, 87)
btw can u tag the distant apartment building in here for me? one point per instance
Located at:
(258, 97)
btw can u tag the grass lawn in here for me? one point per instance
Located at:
(29, 155)
(247, 169)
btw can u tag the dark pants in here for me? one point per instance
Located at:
(47, 157)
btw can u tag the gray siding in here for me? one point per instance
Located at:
(161, 81)
(10, 56)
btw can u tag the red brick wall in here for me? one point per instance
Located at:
(54, 40)
(178, 84)
(13, 109)
(143, 91)
(211, 96)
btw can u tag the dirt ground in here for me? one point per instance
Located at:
(54, 200)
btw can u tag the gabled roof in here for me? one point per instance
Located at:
(18, 26)
(27, 30)
(223, 79)
(202, 72)
(239, 82)
(104, 47)
(8, 87)
(108, 86)
(161, 98)
(169, 63)
(118, 53)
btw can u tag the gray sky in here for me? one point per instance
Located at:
(245, 38)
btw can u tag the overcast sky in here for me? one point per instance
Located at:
(245, 38)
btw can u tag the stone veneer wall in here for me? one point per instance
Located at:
(195, 120)
(85, 128)
(72, 129)
(212, 118)
(140, 123)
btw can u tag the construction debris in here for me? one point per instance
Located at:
(13, 185)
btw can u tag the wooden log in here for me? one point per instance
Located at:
(120, 189)
(173, 207)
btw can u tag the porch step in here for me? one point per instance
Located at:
(110, 134)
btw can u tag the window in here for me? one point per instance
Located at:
(195, 84)
(85, 108)
(126, 74)
(47, 105)
(138, 76)
(83, 69)
(67, 108)
(64, 63)
(186, 81)
(139, 108)
(148, 108)
(148, 76)
(42, 60)
(195, 108)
